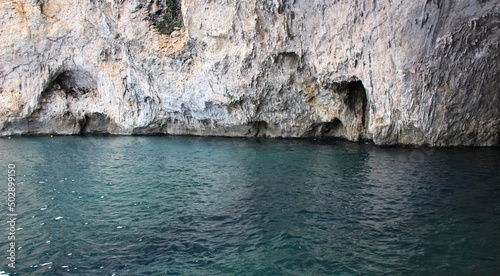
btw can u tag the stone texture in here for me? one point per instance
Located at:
(395, 72)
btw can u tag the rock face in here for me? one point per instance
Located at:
(394, 72)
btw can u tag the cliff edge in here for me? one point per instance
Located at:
(392, 72)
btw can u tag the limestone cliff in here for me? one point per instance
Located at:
(395, 72)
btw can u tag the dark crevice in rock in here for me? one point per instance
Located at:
(258, 129)
(74, 82)
(333, 128)
(357, 100)
(95, 123)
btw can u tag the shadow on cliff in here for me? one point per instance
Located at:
(69, 105)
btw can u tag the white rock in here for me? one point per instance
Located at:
(175, 34)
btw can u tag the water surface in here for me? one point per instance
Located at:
(213, 206)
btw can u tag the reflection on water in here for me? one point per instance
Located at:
(207, 206)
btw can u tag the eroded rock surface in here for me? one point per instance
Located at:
(395, 72)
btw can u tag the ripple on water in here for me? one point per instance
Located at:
(192, 206)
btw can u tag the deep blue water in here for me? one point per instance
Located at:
(214, 206)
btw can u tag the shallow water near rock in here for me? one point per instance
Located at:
(214, 206)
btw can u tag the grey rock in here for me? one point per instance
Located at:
(393, 72)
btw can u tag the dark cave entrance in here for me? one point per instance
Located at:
(357, 100)
(64, 104)
(351, 119)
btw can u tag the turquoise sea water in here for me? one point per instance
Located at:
(214, 206)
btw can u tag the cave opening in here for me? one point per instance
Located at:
(348, 118)
(95, 123)
(73, 82)
(258, 129)
(63, 104)
(357, 100)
